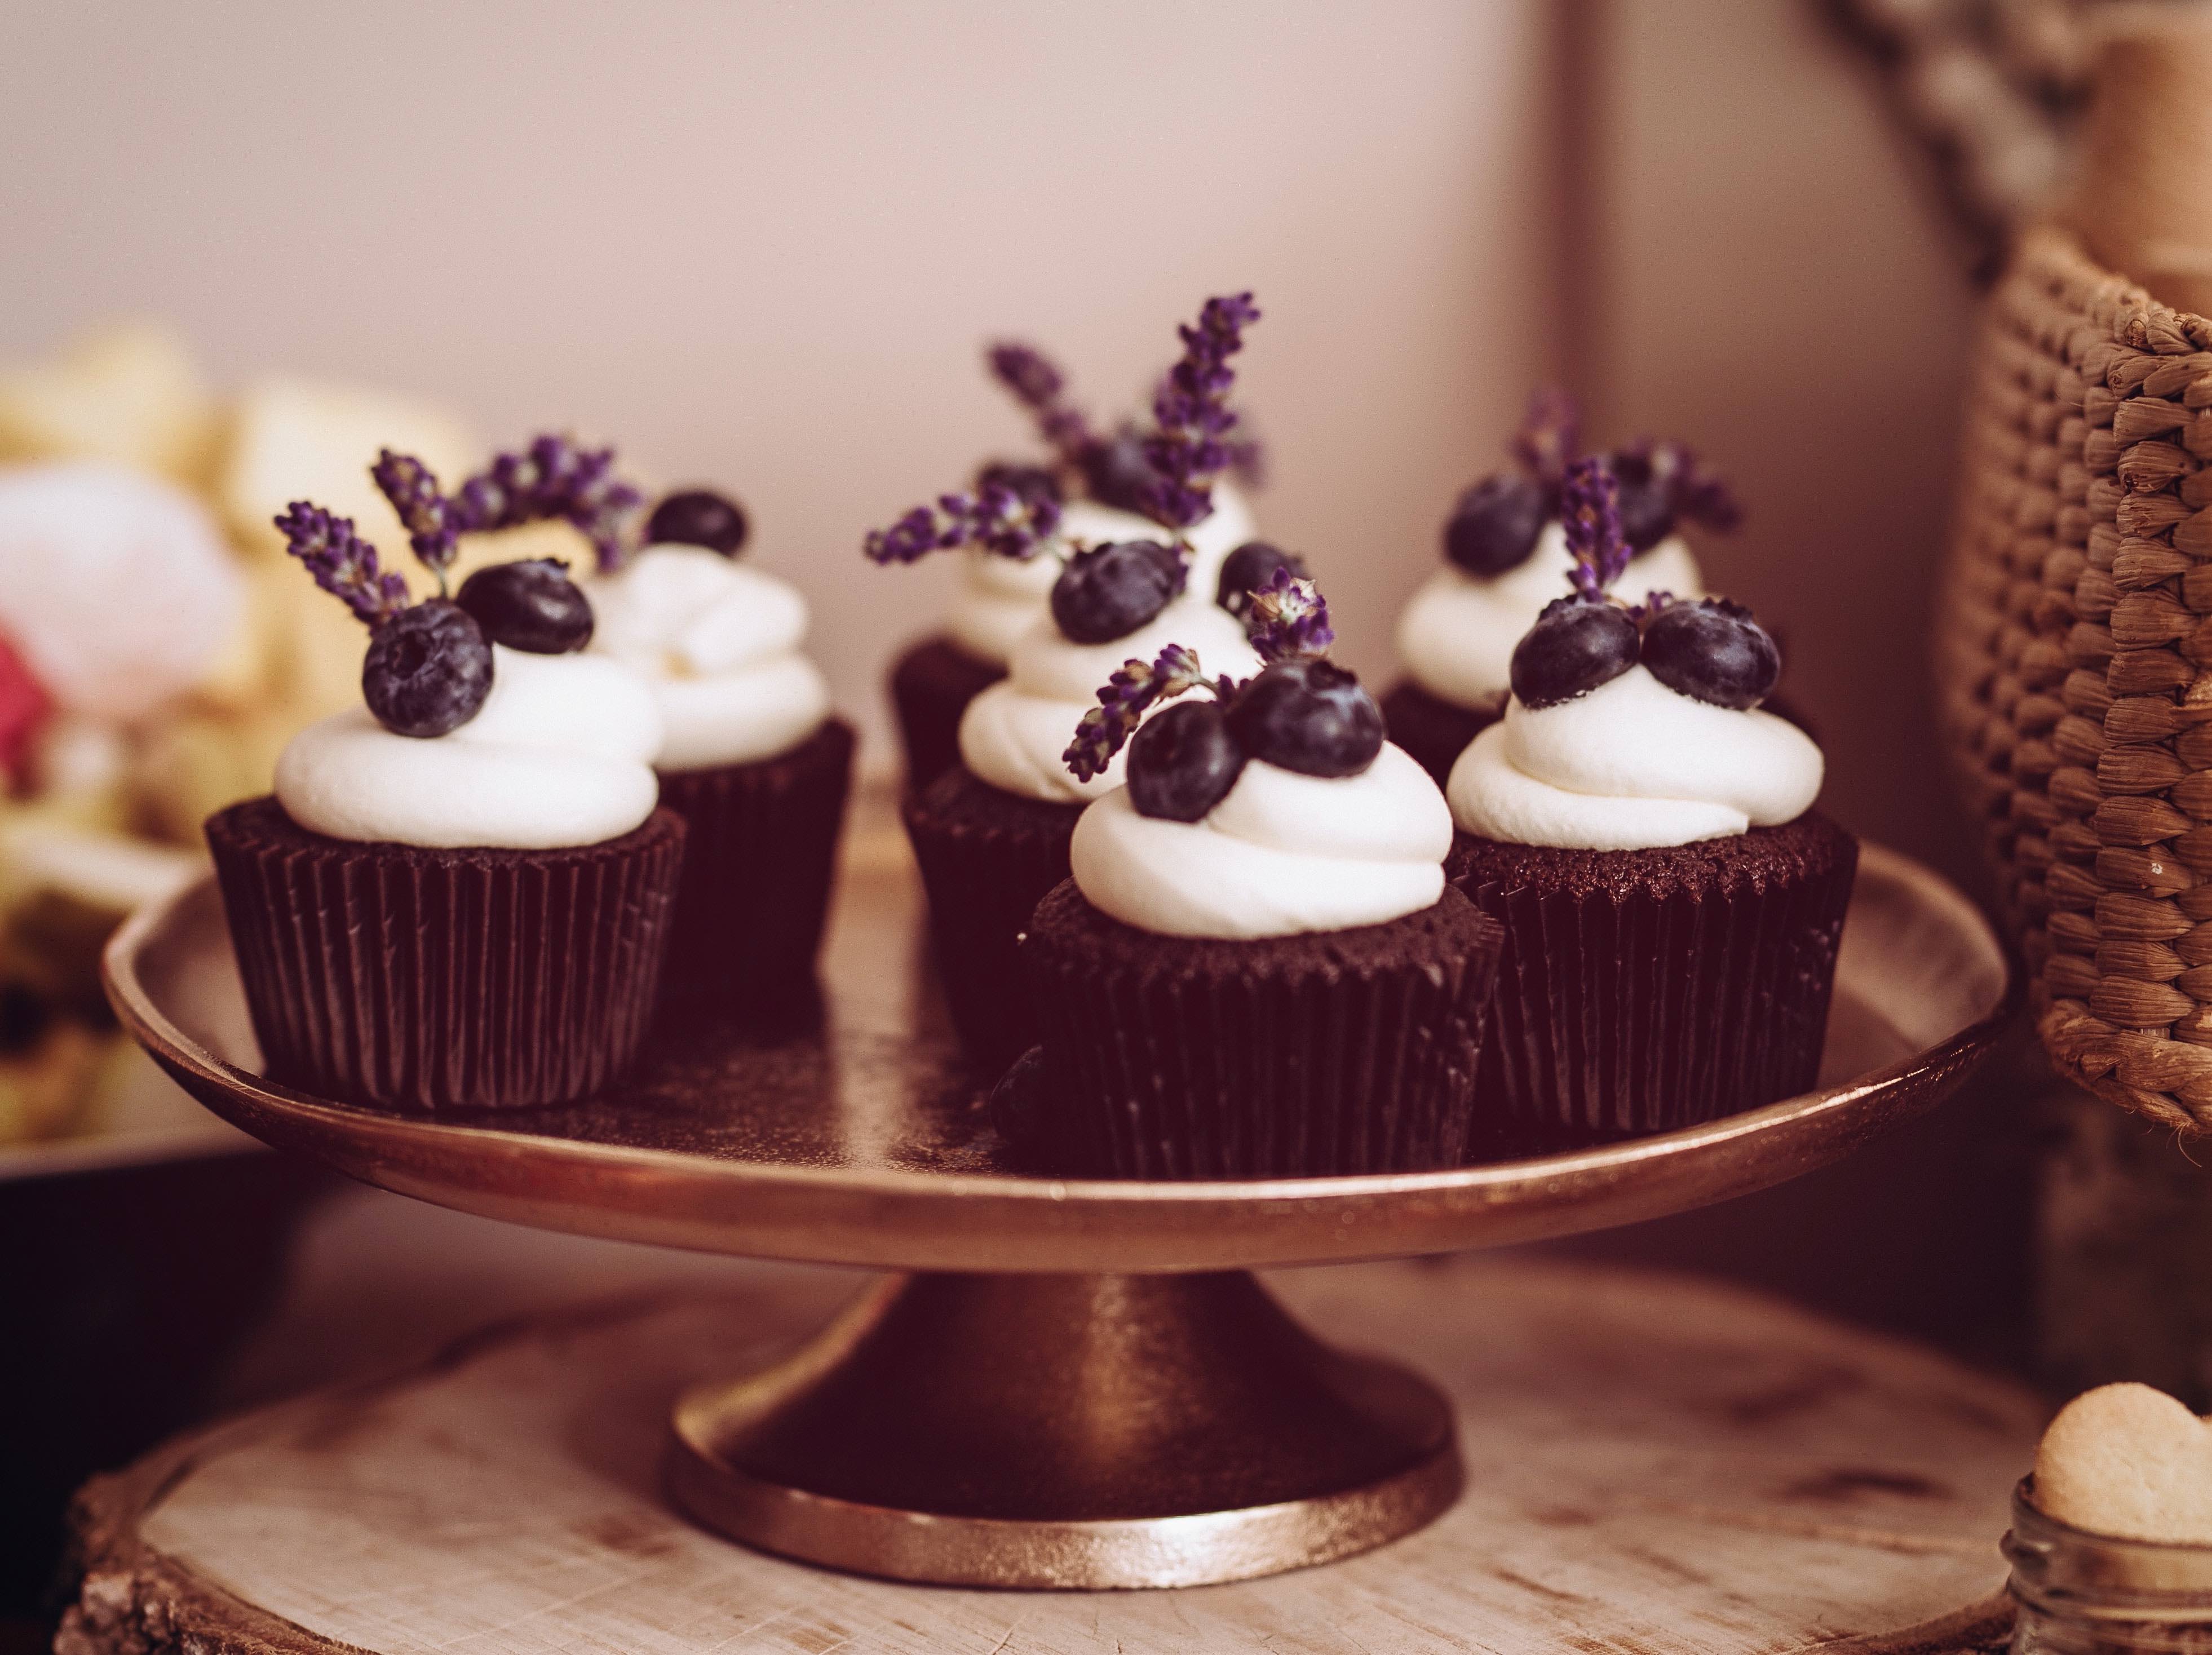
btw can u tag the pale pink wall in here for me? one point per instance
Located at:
(762, 244)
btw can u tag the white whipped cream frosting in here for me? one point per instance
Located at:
(1630, 766)
(718, 641)
(1458, 633)
(999, 597)
(1281, 855)
(1013, 733)
(560, 754)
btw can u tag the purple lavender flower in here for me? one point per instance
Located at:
(343, 563)
(1036, 384)
(551, 480)
(1549, 430)
(1289, 618)
(1192, 411)
(1652, 604)
(1133, 690)
(1589, 511)
(995, 518)
(1695, 489)
(412, 488)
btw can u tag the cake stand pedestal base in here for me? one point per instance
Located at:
(1068, 1432)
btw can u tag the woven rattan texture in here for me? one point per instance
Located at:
(2074, 666)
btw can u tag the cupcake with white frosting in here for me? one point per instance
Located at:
(1256, 968)
(1507, 557)
(754, 760)
(459, 894)
(991, 833)
(1644, 832)
(1103, 488)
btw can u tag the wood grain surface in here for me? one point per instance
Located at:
(1655, 1465)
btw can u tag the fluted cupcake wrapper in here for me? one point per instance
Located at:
(1622, 1013)
(931, 685)
(988, 858)
(1339, 1052)
(410, 978)
(759, 862)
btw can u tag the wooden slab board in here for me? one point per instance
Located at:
(1656, 1465)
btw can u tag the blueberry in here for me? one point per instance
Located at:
(531, 605)
(1712, 650)
(1030, 483)
(1017, 1101)
(1182, 762)
(1647, 504)
(428, 670)
(1576, 645)
(1247, 568)
(1307, 715)
(1117, 474)
(1496, 524)
(1110, 591)
(698, 517)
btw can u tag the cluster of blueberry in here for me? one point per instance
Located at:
(429, 667)
(1496, 523)
(1306, 715)
(1710, 650)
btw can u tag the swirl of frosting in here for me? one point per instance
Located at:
(1458, 633)
(561, 754)
(1013, 735)
(718, 641)
(998, 596)
(1630, 766)
(1282, 853)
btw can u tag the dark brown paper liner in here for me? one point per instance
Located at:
(931, 685)
(1643, 990)
(988, 856)
(409, 978)
(1336, 1052)
(1434, 731)
(759, 860)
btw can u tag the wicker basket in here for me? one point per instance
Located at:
(2074, 666)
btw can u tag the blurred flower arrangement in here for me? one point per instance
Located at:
(157, 648)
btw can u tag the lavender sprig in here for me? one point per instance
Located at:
(1589, 511)
(1695, 489)
(995, 518)
(551, 480)
(343, 563)
(423, 510)
(1133, 690)
(1036, 384)
(1548, 433)
(1288, 617)
(1192, 411)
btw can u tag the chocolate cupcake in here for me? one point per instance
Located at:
(991, 834)
(1257, 969)
(1101, 489)
(1643, 831)
(461, 895)
(1505, 557)
(753, 761)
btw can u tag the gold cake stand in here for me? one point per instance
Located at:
(1074, 1383)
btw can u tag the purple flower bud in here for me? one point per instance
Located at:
(343, 563)
(1548, 433)
(1134, 688)
(551, 480)
(1589, 511)
(1036, 384)
(1289, 618)
(1188, 451)
(996, 518)
(412, 488)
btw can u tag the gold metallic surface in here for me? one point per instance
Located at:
(862, 1143)
(1067, 1432)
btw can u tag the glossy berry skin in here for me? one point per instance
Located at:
(1647, 509)
(1247, 568)
(1117, 474)
(1307, 715)
(1496, 524)
(1713, 651)
(428, 670)
(1576, 645)
(698, 517)
(531, 605)
(1182, 762)
(1109, 591)
(1030, 483)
